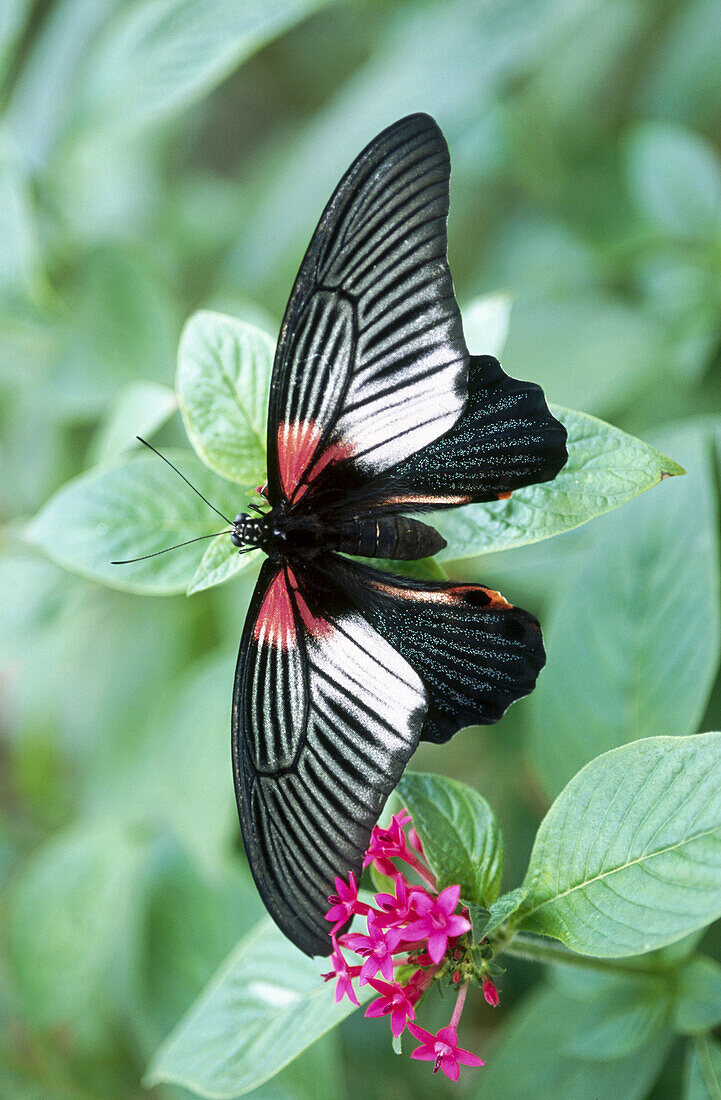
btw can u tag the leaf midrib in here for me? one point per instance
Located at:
(621, 867)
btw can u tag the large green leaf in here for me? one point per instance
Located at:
(223, 378)
(74, 927)
(461, 837)
(628, 858)
(219, 563)
(702, 1078)
(139, 409)
(633, 644)
(619, 1019)
(675, 179)
(159, 55)
(263, 1008)
(533, 1058)
(124, 511)
(698, 1003)
(605, 468)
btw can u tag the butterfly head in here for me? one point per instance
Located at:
(247, 531)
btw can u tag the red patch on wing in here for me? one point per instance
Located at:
(275, 624)
(504, 496)
(297, 444)
(316, 627)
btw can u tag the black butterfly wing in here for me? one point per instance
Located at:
(474, 652)
(507, 438)
(326, 714)
(371, 363)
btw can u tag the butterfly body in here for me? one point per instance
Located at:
(376, 410)
(282, 533)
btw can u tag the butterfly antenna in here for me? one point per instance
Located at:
(167, 460)
(200, 538)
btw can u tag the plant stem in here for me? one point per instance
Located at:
(422, 871)
(524, 946)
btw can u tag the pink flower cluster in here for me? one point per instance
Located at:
(414, 932)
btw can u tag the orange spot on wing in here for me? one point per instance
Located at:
(505, 496)
(454, 594)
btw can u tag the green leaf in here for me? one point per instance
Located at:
(191, 921)
(605, 469)
(13, 16)
(140, 408)
(485, 323)
(219, 563)
(533, 1059)
(620, 1019)
(628, 857)
(634, 640)
(461, 837)
(501, 910)
(73, 929)
(698, 1007)
(586, 349)
(675, 180)
(223, 377)
(20, 268)
(157, 57)
(702, 1077)
(265, 1005)
(124, 511)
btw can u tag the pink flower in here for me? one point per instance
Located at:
(387, 844)
(437, 921)
(490, 993)
(377, 947)
(442, 1049)
(344, 973)
(394, 1002)
(398, 909)
(344, 904)
(415, 841)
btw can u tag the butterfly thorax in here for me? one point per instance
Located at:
(282, 533)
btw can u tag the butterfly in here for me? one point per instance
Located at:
(376, 410)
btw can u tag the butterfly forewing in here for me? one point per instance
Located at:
(371, 362)
(326, 715)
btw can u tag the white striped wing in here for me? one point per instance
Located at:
(326, 715)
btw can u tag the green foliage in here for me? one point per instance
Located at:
(223, 379)
(164, 157)
(627, 858)
(703, 1070)
(461, 838)
(128, 510)
(610, 662)
(605, 469)
(528, 1061)
(698, 1005)
(262, 1009)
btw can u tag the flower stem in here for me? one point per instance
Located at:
(524, 946)
(422, 871)
(460, 1001)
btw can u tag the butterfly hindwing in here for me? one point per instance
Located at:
(326, 714)
(474, 652)
(371, 362)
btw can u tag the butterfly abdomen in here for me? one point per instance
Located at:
(389, 537)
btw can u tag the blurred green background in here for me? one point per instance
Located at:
(162, 155)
